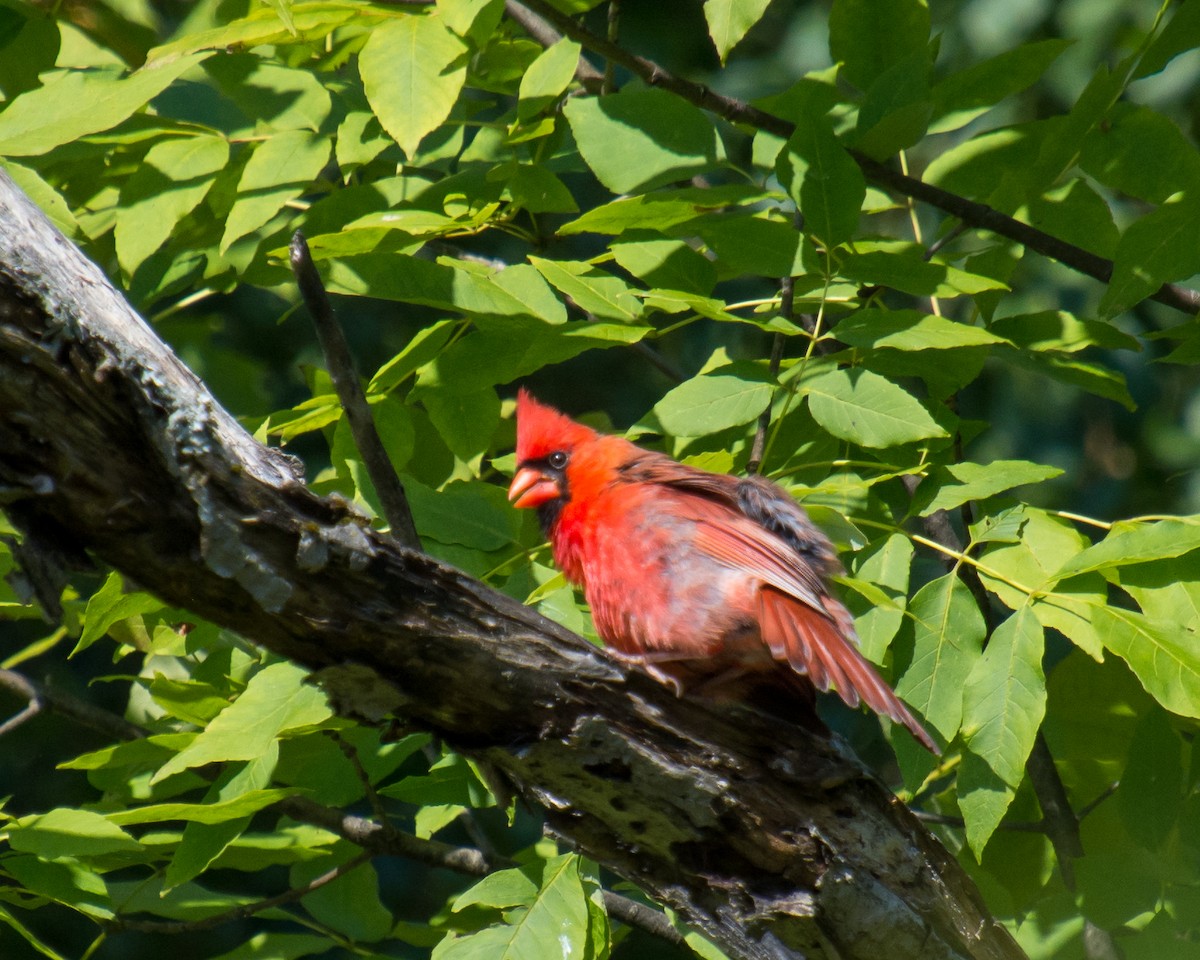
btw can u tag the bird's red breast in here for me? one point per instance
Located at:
(693, 574)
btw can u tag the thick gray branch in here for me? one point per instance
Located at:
(764, 835)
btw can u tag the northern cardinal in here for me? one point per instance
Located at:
(702, 578)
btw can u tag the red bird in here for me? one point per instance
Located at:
(702, 578)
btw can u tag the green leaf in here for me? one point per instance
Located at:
(978, 167)
(202, 842)
(63, 881)
(393, 422)
(350, 904)
(431, 818)
(868, 409)
(547, 78)
(556, 921)
(983, 799)
(537, 190)
(639, 139)
(824, 181)
(144, 754)
(727, 397)
(948, 640)
(1136, 542)
(730, 20)
(886, 565)
(29, 46)
(1164, 589)
(527, 284)
(663, 209)
(64, 833)
(473, 514)
(313, 20)
(170, 183)
(476, 19)
(109, 605)
(504, 353)
(1181, 33)
(278, 946)
(208, 812)
(969, 93)
(1096, 379)
(910, 330)
(394, 277)
(412, 71)
(312, 414)
(592, 290)
(896, 110)
(275, 700)
(749, 244)
(190, 700)
(1004, 699)
(1143, 153)
(1061, 331)
(903, 266)
(504, 888)
(360, 139)
(1160, 247)
(74, 103)
(466, 421)
(958, 483)
(1164, 656)
(1015, 571)
(1076, 214)
(1060, 151)
(45, 196)
(273, 96)
(1151, 791)
(869, 36)
(663, 262)
(279, 170)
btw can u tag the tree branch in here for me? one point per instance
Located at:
(978, 215)
(238, 913)
(350, 393)
(766, 836)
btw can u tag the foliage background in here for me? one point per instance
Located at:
(419, 150)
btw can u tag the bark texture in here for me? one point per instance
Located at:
(769, 838)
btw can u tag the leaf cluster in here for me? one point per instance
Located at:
(451, 162)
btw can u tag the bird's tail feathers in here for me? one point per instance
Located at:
(822, 647)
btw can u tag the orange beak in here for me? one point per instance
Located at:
(531, 488)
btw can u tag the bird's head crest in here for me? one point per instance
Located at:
(542, 430)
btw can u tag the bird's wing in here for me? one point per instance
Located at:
(753, 525)
(800, 621)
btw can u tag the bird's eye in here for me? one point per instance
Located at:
(557, 459)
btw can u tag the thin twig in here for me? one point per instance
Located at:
(351, 754)
(350, 392)
(28, 712)
(659, 362)
(1062, 825)
(614, 34)
(1087, 808)
(64, 704)
(591, 78)
(238, 913)
(978, 215)
(941, 242)
(764, 418)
